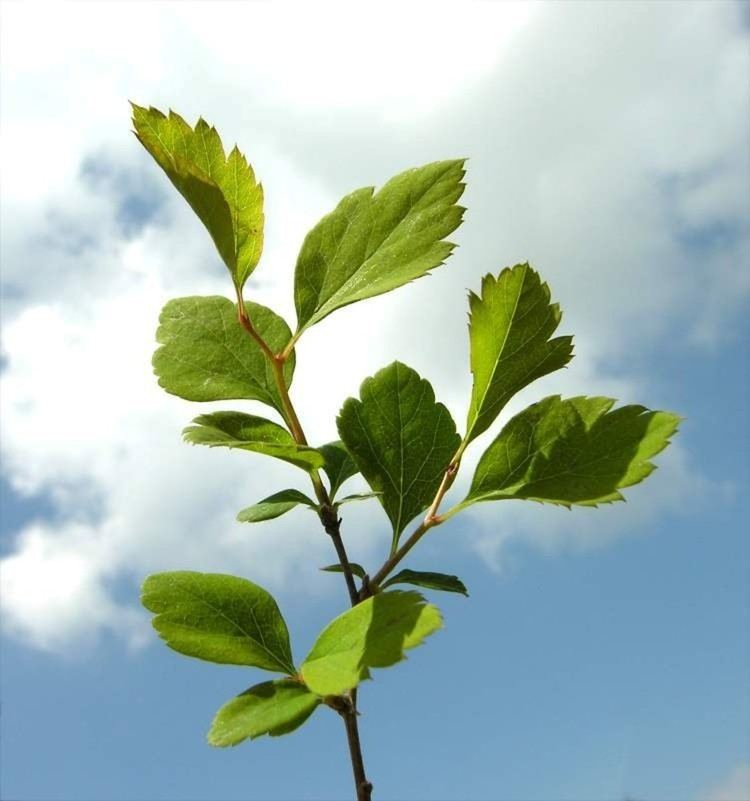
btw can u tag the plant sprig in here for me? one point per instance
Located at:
(575, 451)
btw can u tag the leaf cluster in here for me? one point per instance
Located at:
(579, 451)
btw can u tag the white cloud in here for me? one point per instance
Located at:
(734, 787)
(599, 141)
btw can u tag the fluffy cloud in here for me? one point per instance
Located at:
(607, 146)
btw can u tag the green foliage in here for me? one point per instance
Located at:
(373, 243)
(401, 440)
(220, 189)
(510, 329)
(273, 708)
(573, 451)
(339, 465)
(430, 581)
(578, 451)
(205, 354)
(356, 569)
(274, 506)
(357, 496)
(373, 634)
(251, 433)
(219, 618)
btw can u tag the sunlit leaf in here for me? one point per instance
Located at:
(219, 618)
(220, 189)
(205, 354)
(575, 451)
(510, 329)
(372, 243)
(251, 433)
(401, 440)
(273, 708)
(373, 634)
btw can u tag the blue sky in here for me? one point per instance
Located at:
(603, 654)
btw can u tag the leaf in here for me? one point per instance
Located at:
(357, 496)
(510, 329)
(219, 618)
(356, 569)
(431, 581)
(401, 440)
(339, 465)
(205, 354)
(573, 451)
(251, 433)
(220, 189)
(373, 634)
(373, 243)
(274, 506)
(273, 707)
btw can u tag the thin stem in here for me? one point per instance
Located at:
(247, 324)
(362, 785)
(332, 525)
(289, 412)
(393, 560)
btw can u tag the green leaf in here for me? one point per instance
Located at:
(357, 496)
(205, 354)
(510, 328)
(220, 189)
(373, 243)
(356, 569)
(274, 708)
(339, 465)
(573, 451)
(219, 618)
(274, 506)
(430, 581)
(251, 433)
(401, 440)
(373, 634)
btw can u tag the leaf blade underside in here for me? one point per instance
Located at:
(373, 634)
(205, 355)
(218, 618)
(273, 708)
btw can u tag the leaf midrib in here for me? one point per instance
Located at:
(236, 624)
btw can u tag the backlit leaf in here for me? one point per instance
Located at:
(220, 189)
(510, 329)
(219, 618)
(373, 634)
(273, 708)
